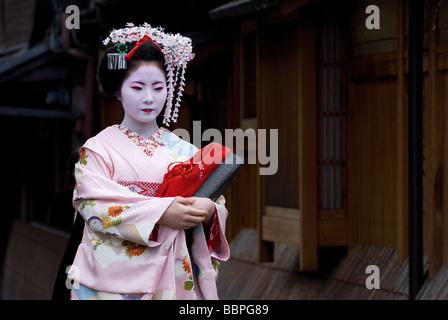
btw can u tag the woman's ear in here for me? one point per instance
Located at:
(118, 96)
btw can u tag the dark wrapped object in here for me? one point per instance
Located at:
(220, 178)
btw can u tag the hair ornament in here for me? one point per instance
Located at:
(176, 48)
(122, 48)
(117, 60)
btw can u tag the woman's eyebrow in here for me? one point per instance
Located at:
(142, 83)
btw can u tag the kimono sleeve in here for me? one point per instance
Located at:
(110, 208)
(217, 242)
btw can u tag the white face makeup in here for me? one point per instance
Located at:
(143, 95)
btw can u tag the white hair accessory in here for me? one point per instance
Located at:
(176, 48)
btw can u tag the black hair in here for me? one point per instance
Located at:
(112, 80)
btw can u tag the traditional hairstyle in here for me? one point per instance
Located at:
(112, 79)
(133, 45)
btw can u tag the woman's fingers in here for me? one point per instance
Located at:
(197, 212)
(182, 215)
(185, 201)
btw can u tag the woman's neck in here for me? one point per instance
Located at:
(144, 130)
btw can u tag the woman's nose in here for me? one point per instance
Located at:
(148, 98)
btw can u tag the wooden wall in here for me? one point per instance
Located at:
(32, 261)
(242, 201)
(377, 134)
(278, 110)
(379, 152)
(372, 140)
(287, 103)
(277, 104)
(16, 23)
(435, 180)
(377, 128)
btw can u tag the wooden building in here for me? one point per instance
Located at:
(333, 87)
(337, 91)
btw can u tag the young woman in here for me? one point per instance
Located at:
(134, 245)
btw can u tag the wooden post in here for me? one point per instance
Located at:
(307, 145)
(402, 241)
(434, 130)
(415, 146)
(265, 248)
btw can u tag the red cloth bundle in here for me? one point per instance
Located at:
(184, 178)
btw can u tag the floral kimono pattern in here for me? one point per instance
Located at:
(124, 253)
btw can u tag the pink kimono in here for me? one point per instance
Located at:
(124, 254)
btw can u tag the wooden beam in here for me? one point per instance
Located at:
(434, 130)
(288, 6)
(307, 144)
(402, 140)
(279, 229)
(265, 248)
(288, 213)
(374, 66)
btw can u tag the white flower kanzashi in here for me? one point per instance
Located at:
(177, 50)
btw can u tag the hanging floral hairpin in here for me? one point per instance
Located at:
(117, 60)
(176, 48)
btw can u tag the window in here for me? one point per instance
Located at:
(332, 115)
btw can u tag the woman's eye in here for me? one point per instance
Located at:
(158, 88)
(136, 88)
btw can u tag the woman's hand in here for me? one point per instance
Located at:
(185, 213)
(205, 204)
